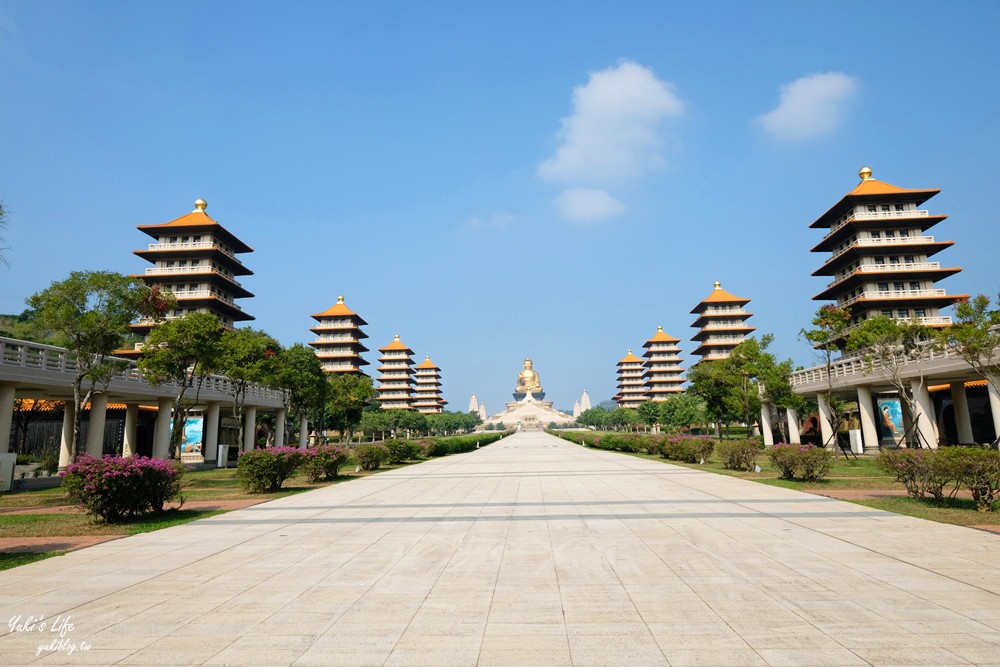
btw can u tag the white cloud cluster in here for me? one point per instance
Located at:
(610, 138)
(810, 106)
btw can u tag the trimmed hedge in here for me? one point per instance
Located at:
(738, 454)
(931, 473)
(265, 470)
(371, 456)
(117, 488)
(402, 450)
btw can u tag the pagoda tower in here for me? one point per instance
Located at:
(879, 254)
(721, 324)
(584, 401)
(194, 258)
(631, 387)
(427, 393)
(395, 390)
(664, 375)
(338, 343)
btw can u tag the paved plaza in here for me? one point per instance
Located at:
(532, 551)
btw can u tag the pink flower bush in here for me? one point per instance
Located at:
(117, 488)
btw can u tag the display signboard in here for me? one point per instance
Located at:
(890, 419)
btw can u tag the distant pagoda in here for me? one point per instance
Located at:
(879, 254)
(664, 375)
(194, 258)
(395, 390)
(721, 324)
(338, 345)
(631, 387)
(427, 393)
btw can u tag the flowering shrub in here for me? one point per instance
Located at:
(371, 456)
(908, 465)
(979, 471)
(738, 454)
(929, 473)
(323, 461)
(265, 470)
(803, 461)
(690, 449)
(117, 488)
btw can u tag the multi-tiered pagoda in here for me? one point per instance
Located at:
(721, 324)
(427, 392)
(664, 375)
(879, 254)
(195, 258)
(338, 343)
(395, 390)
(631, 386)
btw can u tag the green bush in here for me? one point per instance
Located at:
(979, 471)
(371, 456)
(785, 459)
(908, 465)
(800, 461)
(438, 448)
(402, 450)
(116, 488)
(738, 454)
(323, 461)
(265, 470)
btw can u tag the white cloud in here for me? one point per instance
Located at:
(810, 106)
(495, 221)
(588, 205)
(612, 134)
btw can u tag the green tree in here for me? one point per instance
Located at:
(299, 372)
(831, 325)
(595, 417)
(247, 357)
(714, 383)
(888, 346)
(184, 350)
(681, 410)
(348, 393)
(92, 311)
(975, 336)
(764, 377)
(649, 413)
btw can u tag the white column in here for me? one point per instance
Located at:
(279, 428)
(825, 424)
(960, 405)
(129, 444)
(250, 428)
(303, 432)
(925, 409)
(793, 426)
(994, 405)
(869, 427)
(65, 455)
(6, 415)
(212, 432)
(161, 432)
(765, 424)
(95, 424)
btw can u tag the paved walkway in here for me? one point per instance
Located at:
(532, 551)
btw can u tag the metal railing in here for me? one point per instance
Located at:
(897, 241)
(884, 268)
(893, 294)
(878, 215)
(200, 245)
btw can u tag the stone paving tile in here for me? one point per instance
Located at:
(530, 551)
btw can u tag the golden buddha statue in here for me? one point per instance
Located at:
(528, 381)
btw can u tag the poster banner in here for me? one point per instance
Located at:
(890, 420)
(194, 428)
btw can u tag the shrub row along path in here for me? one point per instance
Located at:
(530, 551)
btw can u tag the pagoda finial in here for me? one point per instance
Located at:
(630, 350)
(865, 173)
(340, 299)
(200, 205)
(659, 329)
(397, 337)
(427, 358)
(718, 285)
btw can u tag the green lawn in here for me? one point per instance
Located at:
(9, 560)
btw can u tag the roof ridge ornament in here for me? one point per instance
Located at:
(200, 205)
(865, 173)
(718, 285)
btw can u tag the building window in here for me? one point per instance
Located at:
(903, 313)
(887, 312)
(872, 208)
(920, 312)
(904, 233)
(908, 259)
(876, 235)
(890, 234)
(883, 287)
(900, 207)
(914, 285)
(899, 287)
(196, 239)
(878, 259)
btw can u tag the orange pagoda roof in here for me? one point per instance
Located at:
(194, 221)
(661, 337)
(396, 344)
(871, 190)
(427, 363)
(629, 359)
(339, 310)
(719, 295)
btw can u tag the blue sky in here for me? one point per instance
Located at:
(495, 180)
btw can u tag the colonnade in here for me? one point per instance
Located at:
(923, 415)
